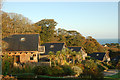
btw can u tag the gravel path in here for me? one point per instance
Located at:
(110, 72)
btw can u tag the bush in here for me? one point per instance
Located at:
(7, 64)
(27, 68)
(67, 70)
(42, 70)
(57, 71)
(91, 70)
(118, 65)
(53, 71)
(77, 70)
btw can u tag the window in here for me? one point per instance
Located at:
(52, 46)
(71, 49)
(22, 39)
(34, 55)
(97, 54)
(31, 57)
(41, 48)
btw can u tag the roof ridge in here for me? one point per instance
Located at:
(21, 33)
(54, 42)
(74, 46)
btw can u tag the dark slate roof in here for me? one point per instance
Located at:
(57, 47)
(99, 57)
(29, 44)
(117, 58)
(77, 49)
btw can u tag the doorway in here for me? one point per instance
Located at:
(18, 59)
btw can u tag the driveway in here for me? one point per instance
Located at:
(110, 72)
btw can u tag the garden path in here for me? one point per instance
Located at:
(110, 72)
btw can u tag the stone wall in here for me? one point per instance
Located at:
(24, 56)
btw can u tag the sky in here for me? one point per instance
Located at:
(96, 19)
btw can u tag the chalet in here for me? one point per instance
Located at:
(54, 47)
(100, 56)
(77, 49)
(23, 47)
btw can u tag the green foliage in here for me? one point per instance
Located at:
(42, 70)
(53, 71)
(67, 70)
(118, 65)
(57, 71)
(7, 64)
(91, 70)
(27, 68)
(47, 29)
(77, 70)
(113, 45)
(16, 23)
(51, 56)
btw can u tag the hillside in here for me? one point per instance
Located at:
(17, 23)
(70, 37)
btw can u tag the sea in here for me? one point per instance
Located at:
(104, 41)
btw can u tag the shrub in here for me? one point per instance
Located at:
(53, 71)
(27, 68)
(118, 65)
(67, 70)
(16, 70)
(57, 71)
(91, 70)
(7, 64)
(42, 70)
(77, 70)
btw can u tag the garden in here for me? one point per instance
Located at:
(63, 65)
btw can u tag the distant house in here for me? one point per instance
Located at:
(116, 59)
(54, 47)
(23, 47)
(77, 49)
(100, 56)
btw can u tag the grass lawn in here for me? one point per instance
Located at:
(114, 77)
(31, 76)
(24, 75)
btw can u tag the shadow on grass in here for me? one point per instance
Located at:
(32, 76)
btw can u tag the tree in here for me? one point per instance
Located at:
(47, 29)
(57, 57)
(79, 56)
(73, 56)
(16, 23)
(63, 57)
(50, 57)
(21, 24)
(68, 54)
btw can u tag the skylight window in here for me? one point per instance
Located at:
(97, 54)
(71, 49)
(22, 39)
(52, 46)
